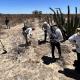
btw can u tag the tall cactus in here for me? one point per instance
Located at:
(61, 16)
(72, 24)
(50, 18)
(55, 16)
(68, 22)
(58, 18)
(76, 19)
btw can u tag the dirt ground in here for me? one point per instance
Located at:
(20, 63)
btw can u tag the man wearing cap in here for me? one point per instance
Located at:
(75, 39)
(55, 38)
(45, 28)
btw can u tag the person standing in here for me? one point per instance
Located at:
(55, 38)
(75, 39)
(7, 23)
(45, 28)
(27, 32)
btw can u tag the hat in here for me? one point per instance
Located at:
(54, 23)
(78, 29)
(45, 22)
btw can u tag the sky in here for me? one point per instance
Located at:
(27, 6)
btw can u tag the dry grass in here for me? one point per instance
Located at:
(28, 65)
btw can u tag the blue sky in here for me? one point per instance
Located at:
(27, 6)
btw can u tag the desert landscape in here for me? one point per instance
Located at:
(33, 63)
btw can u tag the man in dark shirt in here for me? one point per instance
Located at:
(7, 23)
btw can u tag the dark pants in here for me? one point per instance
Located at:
(57, 45)
(8, 26)
(77, 63)
(78, 56)
(25, 36)
(45, 35)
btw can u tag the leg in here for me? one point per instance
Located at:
(52, 49)
(25, 36)
(77, 67)
(26, 40)
(59, 49)
(78, 56)
(6, 25)
(45, 35)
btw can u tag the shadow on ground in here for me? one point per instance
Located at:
(70, 73)
(4, 52)
(22, 45)
(47, 60)
(42, 42)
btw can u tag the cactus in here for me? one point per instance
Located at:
(61, 16)
(72, 24)
(51, 18)
(58, 18)
(55, 16)
(76, 23)
(68, 22)
(73, 21)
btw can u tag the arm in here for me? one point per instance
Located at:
(72, 39)
(26, 31)
(60, 36)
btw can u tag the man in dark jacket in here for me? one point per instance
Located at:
(7, 23)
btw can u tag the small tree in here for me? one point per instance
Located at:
(35, 12)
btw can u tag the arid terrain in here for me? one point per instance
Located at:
(33, 63)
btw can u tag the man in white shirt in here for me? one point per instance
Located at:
(75, 39)
(27, 32)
